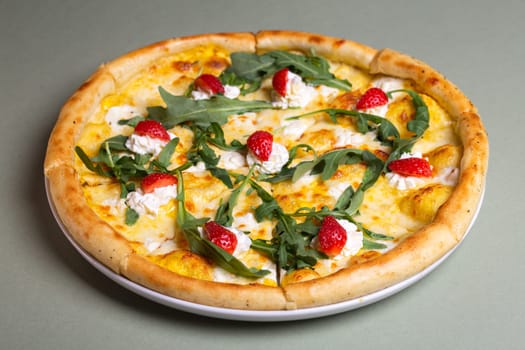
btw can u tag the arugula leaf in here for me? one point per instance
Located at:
(189, 226)
(289, 249)
(131, 121)
(386, 131)
(313, 69)
(131, 216)
(251, 69)
(418, 126)
(224, 214)
(182, 109)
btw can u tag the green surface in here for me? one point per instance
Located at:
(52, 299)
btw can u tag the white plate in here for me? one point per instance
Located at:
(248, 315)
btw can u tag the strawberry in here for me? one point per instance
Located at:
(209, 83)
(157, 180)
(220, 236)
(279, 81)
(332, 236)
(260, 143)
(153, 129)
(414, 166)
(373, 97)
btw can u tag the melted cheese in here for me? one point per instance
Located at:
(385, 209)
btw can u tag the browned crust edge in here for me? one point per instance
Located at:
(334, 48)
(411, 256)
(452, 221)
(226, 295)
(93, 234)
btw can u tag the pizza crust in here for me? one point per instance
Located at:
(408, 258)
(93, 234)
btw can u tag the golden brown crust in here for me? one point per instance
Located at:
(333, 48)
(60, 148)
(235, 296)
(411, 256)
(85, 227)
(127, 65)
(426, 246)
(390, 62)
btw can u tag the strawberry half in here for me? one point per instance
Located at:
(373, 97)
(209, 83)
(157, 180)
(220, 236)
(279, 81)
(332, 236)
(414, 166)
(153, 129)
(260, 143)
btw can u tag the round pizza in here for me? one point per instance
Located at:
(270, 171)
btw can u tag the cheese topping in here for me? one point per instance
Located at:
(149, 203)
(278, 158)
(380, 211)
(298, 94)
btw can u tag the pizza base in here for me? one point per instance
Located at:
(408, 258)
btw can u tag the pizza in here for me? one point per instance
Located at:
(269, 171)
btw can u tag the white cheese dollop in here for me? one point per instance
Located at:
(298, 94)
(230, 92)
(354, 240)
(160, 245)
(278, 158)
(116, 113)
(448, 176)
(231, 160)
(388, 84)
(149, 203)
(294, 129)
(146, 145)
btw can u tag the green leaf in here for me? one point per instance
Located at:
(132, 121)
(182, 109)
(313, 69)
(164, 157)
(189, 226)
(131, 216)
(96, 168)
(250, 69)
(224, 214)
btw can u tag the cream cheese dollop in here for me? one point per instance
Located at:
(149, 203)
(278, 158)
(298, 94)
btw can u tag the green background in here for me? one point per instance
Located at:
(51, 298)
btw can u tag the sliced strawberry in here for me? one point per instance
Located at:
(153, 129)
(157, 180)
(279, 81)
(414, 166)
(332, 236)
(220, 236)
(260, 143)
(373, 97)
(209, 83)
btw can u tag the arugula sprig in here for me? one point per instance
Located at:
(203, 137)
(116, 161)
(289, 248)
(387, 133)
(248, 70)
(183, 109)
(418, 125)
(189, 225)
